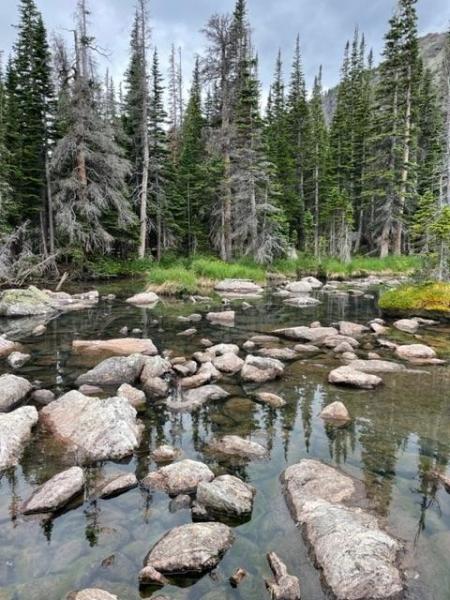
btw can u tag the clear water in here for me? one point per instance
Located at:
(399, 433)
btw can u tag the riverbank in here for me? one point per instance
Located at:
(430, 299)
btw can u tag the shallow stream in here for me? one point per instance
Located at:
(398, 434)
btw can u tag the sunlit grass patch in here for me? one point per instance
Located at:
(431, 297)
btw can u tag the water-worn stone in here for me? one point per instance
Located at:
(264, 340)
(134, 396)
(42, 397)
(13, 389)
(342, 348)
(306, 349)
(186, 368)
(415, 351)
(299, 287)
(16, 360)
(15, 431)
(192, 399)
(56, 492)
(143, 299)
(351, 377)
(6, 347)
(156, 387)
(187, 332)
(114, 485)
(32, 301)
(155, 366)
(226, 495)
(91, 428)
(278, 353)
(234, 445)
(114, 371)
(150, 576)
(378, 329)
(258, 369)
(192, 548)
(336, 411)
(333, 341)
(222, 318)
(180, 502)
(180, 477)
(313, 282)
(91, 594)
(166, 454)
(285, 586)
(204, 375)
(407, 325)
(238, 288)
(358, 559)
(307, 334)
(350, 329)
(301, 301)
(221, 349)
(228, 363)
(115, 347)
(270, 399)
(376, 366)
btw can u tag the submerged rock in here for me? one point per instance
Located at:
(226, 317)
(192, 548)
(336, 411)
(181, 477)
(270, 399)
(285, 586)
(351, 377)
(193, 399)
(56, 492)
(114, 371)
(13, 390)
(166, 454)
(415, 351)
(143, 299)
(117, 347)
(115, 485)
(226, 495)
(234, 445)
(302, 300)
(91, 594)
(16, 360)
(91, 428)
(258, 369)
(358, 559)
(15, 431)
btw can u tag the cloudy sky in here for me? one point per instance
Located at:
(323, 25)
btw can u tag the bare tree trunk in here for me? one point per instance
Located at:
(405, 168)
(144, 134)
(51, 227)
(384, 241)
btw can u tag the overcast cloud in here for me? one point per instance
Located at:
(323, 25)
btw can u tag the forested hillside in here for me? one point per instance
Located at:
(93, 167)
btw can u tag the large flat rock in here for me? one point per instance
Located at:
(194, 548)
(91, 594)
(115, 347)
(307, 334)
(32, 301)
(234, 445)
(93, 428)
(56, 492)
(350, 377)
(13, 389)
(190, 400)
(114, 371)
(15, 431)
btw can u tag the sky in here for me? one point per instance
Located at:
(323, 25)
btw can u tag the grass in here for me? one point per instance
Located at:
(433, 298)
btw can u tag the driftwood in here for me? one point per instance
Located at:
(285, 586)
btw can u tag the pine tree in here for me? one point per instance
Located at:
(5, 190)
(88, 166)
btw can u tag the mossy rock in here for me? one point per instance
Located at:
(25, 303)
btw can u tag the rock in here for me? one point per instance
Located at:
(115, 485)
(373, 356)
(156, 387)
(124, 330)
(187, 332)
(90, 390)
(349, 356)
(315, 324)
(237, 288)
(270, 399)
(143, 299)
(39, 330)
(17, 359)
(180, 502)
(7, 347)
(13, 389)
(234, 445)
(205, 374)
(249, 346)
(206, 343)
(313, 282)
(387, 344)
(150, 576)
(301, 301)
(306, 349)
(56, 492)
(193, 399)
(299, 287)
(333, 341)
(414, 351)
(336, 411)
(237, 577)
(91, 428)
(258, 369)
(114, 371)
(185, 368)
(376, 366)
(278, 353)
(32, 301)
(180, 477)
(228, 363)
(221, 349)
(42, 397)
(155, 366)
(246, 306)
(285, 586)
(225, 318)
(358, 559)
(342, 348)
(15, 431)
(351, 377)
(350, 329)
(307, 334)
(407, 325)
(192, 548)
(226, 496)
(118, 347)
(378, 329)
(263, 340)
(166, 454)
(91, 594)
(134, 396)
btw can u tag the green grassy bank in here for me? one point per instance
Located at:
(425, 299)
